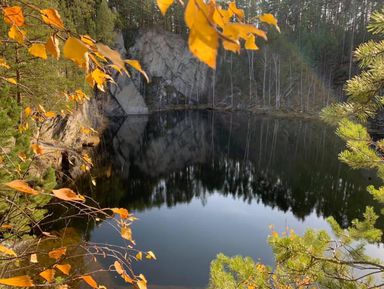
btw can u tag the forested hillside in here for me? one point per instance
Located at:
(301, 69)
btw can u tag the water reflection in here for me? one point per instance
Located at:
(207, 182)
(171, 158)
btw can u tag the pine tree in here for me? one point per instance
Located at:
(105, 23)
(315, 259)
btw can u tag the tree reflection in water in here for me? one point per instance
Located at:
(172, 157)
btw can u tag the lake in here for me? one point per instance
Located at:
(204, 182)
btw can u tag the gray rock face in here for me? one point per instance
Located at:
(124, 91)
(177, 77)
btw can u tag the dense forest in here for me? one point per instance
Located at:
(302, 69)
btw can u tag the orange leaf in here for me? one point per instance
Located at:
(13, 15)
(52, 17)
(48, 275)
(50, 114)
(126, 232)
(124, 214)
(52, 47)
(21, 186)
(19, 281)
(57, 253)
(119, 269)
(68, 195)
(7, 251)
(164, 5)
(38, 50)
(65, 268)
(126, 278)
(136, 65)
(90, 281)
(37, 149)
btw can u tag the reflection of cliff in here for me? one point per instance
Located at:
(173, 157)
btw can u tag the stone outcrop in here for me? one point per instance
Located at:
(177, 77)
(124, 91)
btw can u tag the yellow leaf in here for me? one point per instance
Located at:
(98, 78)
(57, 253)
(136, 65)
(38, 50)
(11, 80)
(33, 258)
(126, 232)
(21, 186)
(203, 39)
(90, 281)
(3, 63)
(270, 19)
(142, 284)
(19, 281)
(119, 269)
(27, 111)
(164, 5)
(75, 50)
(139, 256)
(50, 114)
(17, 34)
(112, 55)
(150, 255)
(65, 268)
(37, 149)
(250, 43)
(7, 251)
(52, 47)
(13, 15)
(41, 108)
(68, 195)
(238, 12)
(87, 40)
(48, 275)
(52, 17)
(126, 278)
(124, 214)
(22, 156)
(221, 17)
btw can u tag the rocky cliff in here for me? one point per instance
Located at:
(176, 77)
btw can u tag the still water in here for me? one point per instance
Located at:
(202, 183)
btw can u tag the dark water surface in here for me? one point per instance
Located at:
(207, 182)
